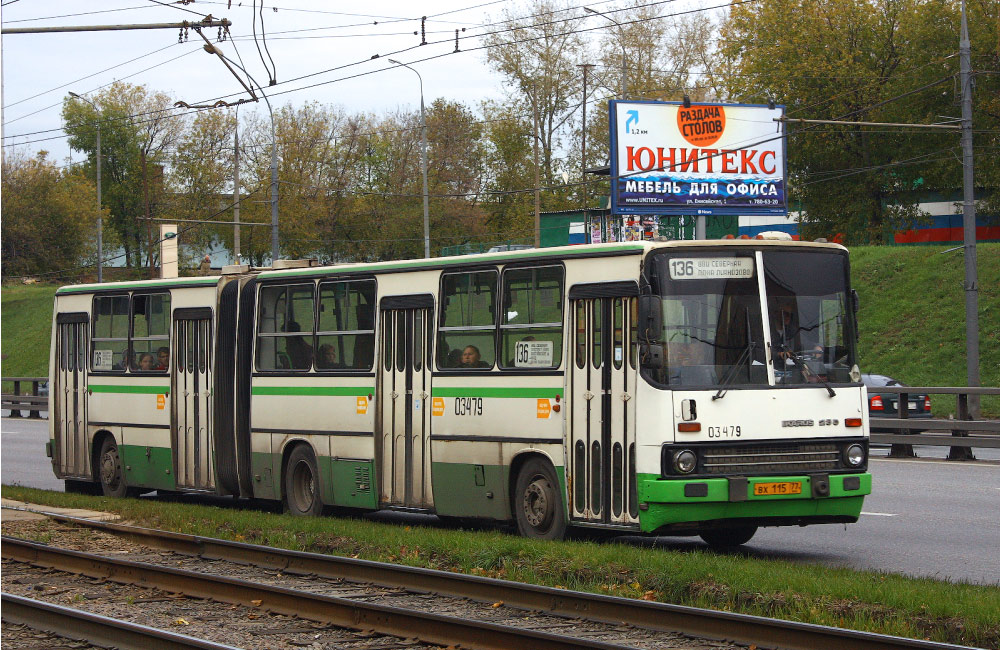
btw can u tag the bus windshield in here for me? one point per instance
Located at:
(713, 319)
(812, 337)
(712, 324)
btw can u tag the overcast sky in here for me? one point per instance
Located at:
(303, 38)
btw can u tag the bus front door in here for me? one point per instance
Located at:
(192, 399)
(602, 426)
(404, 389)
(70, 396)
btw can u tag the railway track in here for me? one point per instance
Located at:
(71, 623)
(700, 623)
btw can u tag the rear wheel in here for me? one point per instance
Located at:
(537, 504)
(302, 483)
(725, 538)
(110, 469)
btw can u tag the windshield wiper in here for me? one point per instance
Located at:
(806, 372)
(746, 354)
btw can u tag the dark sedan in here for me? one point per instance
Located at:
(886, 405)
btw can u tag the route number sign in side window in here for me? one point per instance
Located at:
(709, 268)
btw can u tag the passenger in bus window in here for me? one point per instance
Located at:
(162, 358)
(454, 359)
(471, 358)
(300, 353)
(328, 357)
(146, 362)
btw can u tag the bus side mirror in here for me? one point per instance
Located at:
(650, 325)
(651, 356)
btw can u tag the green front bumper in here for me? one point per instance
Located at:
(663, 504)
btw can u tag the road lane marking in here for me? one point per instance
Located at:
(879, 514)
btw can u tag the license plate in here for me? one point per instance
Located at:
(771, 489)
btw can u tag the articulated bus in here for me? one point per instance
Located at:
(682, 388)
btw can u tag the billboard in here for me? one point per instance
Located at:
(706, 159)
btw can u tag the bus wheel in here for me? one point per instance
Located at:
(110, 466)
(724, 538)
(537, 505)
(302, 483)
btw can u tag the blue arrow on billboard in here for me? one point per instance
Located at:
(633, 116)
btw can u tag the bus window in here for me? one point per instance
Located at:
(598, 333)
(150, 332)
(619, 343)
(581, 333)
(110, 337)
(532, 313)
(346, 332)
(285, 326)
(466, 335)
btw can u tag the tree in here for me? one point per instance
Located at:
(538, 55)
(878, 61)
(49, 218)
(201, 175)
(137, 128)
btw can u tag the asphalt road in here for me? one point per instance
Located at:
(926, 517)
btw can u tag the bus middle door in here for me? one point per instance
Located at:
(404, 454)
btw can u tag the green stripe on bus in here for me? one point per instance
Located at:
(128, 388)
(312, 390)
(147, 284)
(456, 261)
(536, 393)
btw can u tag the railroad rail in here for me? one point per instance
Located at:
(99, 630)
(343, 612)
(663, 617)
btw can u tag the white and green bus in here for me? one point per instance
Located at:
(676, 388)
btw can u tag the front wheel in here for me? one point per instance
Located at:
(537, 504)
(110, 468)
(302, 493)
(728, 538)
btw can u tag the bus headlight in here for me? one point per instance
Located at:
(685, 461)
(854, 455)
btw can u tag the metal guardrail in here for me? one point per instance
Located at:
(966, 432)
(31, 402)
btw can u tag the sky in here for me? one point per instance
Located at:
(303, 38)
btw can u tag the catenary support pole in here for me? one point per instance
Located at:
(969, 220)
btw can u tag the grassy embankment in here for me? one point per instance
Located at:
(689, 575)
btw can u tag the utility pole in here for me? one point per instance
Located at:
(149, 220)
(583, 138)
(423, 158)
(538, 199)
(969, 221)
(236, 194)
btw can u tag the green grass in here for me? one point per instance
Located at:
(912, 317)
(863, 600)
(26, 330)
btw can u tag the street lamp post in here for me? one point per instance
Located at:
(621, 30)
(100, 212)
(423, 158)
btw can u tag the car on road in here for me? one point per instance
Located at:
(886, 405)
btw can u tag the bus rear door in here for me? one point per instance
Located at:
(70, 395)
(192, 399)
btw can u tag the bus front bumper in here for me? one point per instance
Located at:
(691, 504)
